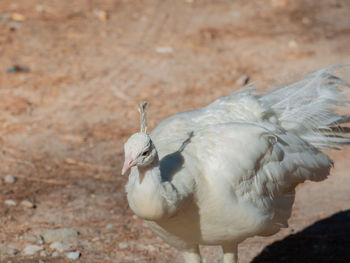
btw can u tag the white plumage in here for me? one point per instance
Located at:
(225, 172)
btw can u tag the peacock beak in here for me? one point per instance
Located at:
(128, 163)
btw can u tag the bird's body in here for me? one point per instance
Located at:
(227, 171)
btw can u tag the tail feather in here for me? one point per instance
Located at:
(309, 108)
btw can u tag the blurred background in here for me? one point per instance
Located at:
(71, 76)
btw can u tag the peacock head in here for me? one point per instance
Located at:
(139, 148)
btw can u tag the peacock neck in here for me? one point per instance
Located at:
(150, 169)
(144, 191)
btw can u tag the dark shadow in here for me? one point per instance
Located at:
(326, 241)
(172, 163)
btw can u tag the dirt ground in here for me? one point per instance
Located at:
(70, 104)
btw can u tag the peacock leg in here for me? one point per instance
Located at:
(192, 255)
(230, 253)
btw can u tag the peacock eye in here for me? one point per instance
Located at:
(145, 153)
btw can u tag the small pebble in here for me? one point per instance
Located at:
(9, 179)
(27, 204)
(10, 202)
(55, 254)
(43, 253)
(292, 44)
(148, 247)
(110, 226)
(13, 26)
(164, 50)
(95, 239)
(243, 80)
(12, 251)
(30, 238)
(101, 14)
(31, 250)
(5, 17)
(62, 234)
(123, 245)
(152, 248)
(41, 261)
(18, 68)
(18, 17)
(59, 246)
(73, 255)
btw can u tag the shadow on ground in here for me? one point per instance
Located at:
(326, 241)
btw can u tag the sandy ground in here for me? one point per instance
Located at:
(90, 62)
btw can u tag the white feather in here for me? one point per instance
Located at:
(227, 171)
